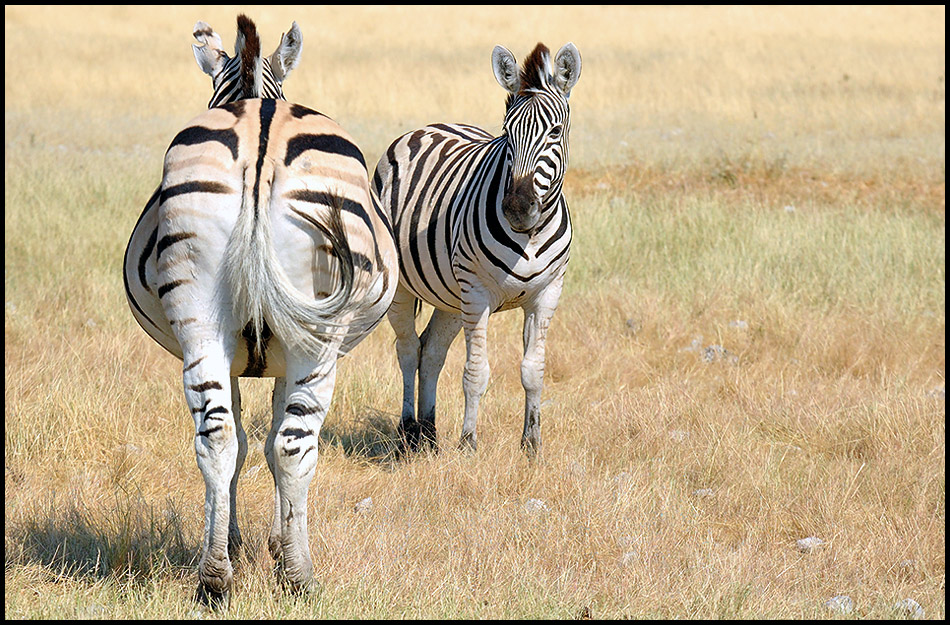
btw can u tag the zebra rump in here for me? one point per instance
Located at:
(261, 291)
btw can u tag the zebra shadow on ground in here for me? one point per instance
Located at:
(371, 436)
(131, 540)
(128, 541)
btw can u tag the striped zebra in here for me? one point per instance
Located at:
(263, 254)
(141, 252)
(481, 226)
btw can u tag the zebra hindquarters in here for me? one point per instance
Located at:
(140, 277)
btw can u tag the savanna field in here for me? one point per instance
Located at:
(748, 351)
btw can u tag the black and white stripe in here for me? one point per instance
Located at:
(482, 226)
(262, 254)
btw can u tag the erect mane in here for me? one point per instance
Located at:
(250, 54)
(534, 70)
(535, 74)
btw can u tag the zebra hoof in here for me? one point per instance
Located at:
(409, 432)
(296, 588)
(531, 447)
(211, 598)
(467, 442)
(427, 437)
(273, 546)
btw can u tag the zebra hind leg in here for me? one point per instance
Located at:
(235, 542)
(277, 404)
(294, 451)
(207, 382)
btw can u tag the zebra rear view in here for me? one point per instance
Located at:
(268, 258)
(482, 226)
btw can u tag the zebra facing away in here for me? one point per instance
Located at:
(141, 252)
(262, 254)
(481, 226)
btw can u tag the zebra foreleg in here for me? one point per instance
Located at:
(537, 318)
(477, 372)
(402, 318)
(295, 460)
(441, 330)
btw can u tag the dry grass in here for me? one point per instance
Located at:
(780, 167)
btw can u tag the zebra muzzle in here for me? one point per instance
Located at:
(521, 206)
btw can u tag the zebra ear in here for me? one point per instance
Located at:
(506, 70)
(211, 56)
(287, 54)
(567, 68)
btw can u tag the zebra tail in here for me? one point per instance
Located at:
(261, 291)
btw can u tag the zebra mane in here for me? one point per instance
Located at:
(536, 70)
(248, 47)
(535, 73)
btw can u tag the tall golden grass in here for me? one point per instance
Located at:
(749, 349)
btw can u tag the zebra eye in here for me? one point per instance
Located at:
(555, 132)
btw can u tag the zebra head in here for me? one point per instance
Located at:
(247, 74)
(537, 121)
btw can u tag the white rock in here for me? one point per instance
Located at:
(629, 558)
(695, 345)
(704, 492)
(678, 435)
(842, 604)
(809, 545)
(535, 506)
(909, 608)
(718, 352)
(364, 506)
(95, 611)
(576, 469)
